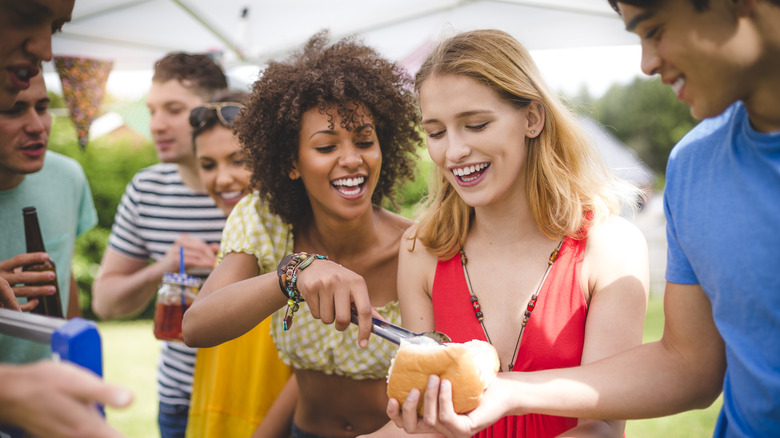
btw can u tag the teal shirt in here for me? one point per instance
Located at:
(60, 192)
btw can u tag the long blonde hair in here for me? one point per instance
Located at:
(565, 176)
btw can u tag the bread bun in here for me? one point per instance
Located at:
(469, 366)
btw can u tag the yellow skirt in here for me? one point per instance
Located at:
(235, 384)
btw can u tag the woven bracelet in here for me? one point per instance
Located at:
(288, 281)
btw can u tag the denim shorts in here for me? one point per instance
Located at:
(296, 432)
(172, 420)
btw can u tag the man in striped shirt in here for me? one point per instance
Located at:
(164, 207)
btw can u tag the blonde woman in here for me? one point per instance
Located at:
(521, 244)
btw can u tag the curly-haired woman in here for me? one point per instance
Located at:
(328, 133)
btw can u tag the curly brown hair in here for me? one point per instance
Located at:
(323, 76)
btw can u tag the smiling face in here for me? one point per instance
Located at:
(476, 138)
(169, 106)
(339, 167)
(708, 57)
(25, 40)
(24, 134)
(222, 167)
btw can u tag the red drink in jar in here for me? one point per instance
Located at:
(175, 295)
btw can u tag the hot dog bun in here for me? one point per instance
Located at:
(469, 366)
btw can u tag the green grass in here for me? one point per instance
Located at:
(692, 424)
(130, 354)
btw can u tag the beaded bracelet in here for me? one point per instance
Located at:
(288, 281)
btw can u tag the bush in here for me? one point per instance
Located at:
(410, 193)
(109, 163)
(86, 262)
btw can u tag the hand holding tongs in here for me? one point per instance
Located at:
(394, 333)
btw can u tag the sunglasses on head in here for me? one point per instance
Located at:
(225, 112)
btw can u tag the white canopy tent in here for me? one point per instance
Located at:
(247, 33)
(135, 33)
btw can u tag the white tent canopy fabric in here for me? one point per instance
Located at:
(135, 33)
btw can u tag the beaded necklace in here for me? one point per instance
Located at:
(529, 308)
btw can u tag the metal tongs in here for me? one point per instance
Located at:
(394, 333)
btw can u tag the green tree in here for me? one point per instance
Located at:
(647, 116)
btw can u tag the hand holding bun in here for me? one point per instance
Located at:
(469, 366)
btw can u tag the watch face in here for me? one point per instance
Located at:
(283, 264)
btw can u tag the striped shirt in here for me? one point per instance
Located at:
(155, 209)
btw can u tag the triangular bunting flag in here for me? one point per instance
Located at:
(83, 86)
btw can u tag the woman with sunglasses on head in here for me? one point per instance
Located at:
(521, 244)
(327, 133)
(220, 159)
(250, 361)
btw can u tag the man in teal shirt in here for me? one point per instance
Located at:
(31, 175)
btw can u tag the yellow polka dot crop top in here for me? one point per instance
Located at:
(312, 345)
(309, 344)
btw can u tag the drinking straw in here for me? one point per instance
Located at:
(183, 273)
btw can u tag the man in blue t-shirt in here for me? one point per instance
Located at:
(722, 204)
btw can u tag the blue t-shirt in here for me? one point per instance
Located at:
(722, 203)
(61, 194)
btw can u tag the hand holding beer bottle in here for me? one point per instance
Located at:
(49, 305)
(26, 284)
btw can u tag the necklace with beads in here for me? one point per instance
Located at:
(529, 308)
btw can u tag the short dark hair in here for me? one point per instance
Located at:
(323, 75)
(197, 72)
(699, 5)
(237, 96)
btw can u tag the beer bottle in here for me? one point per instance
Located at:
(49, 305)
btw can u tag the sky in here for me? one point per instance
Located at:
(596, 67)
(565, 70)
